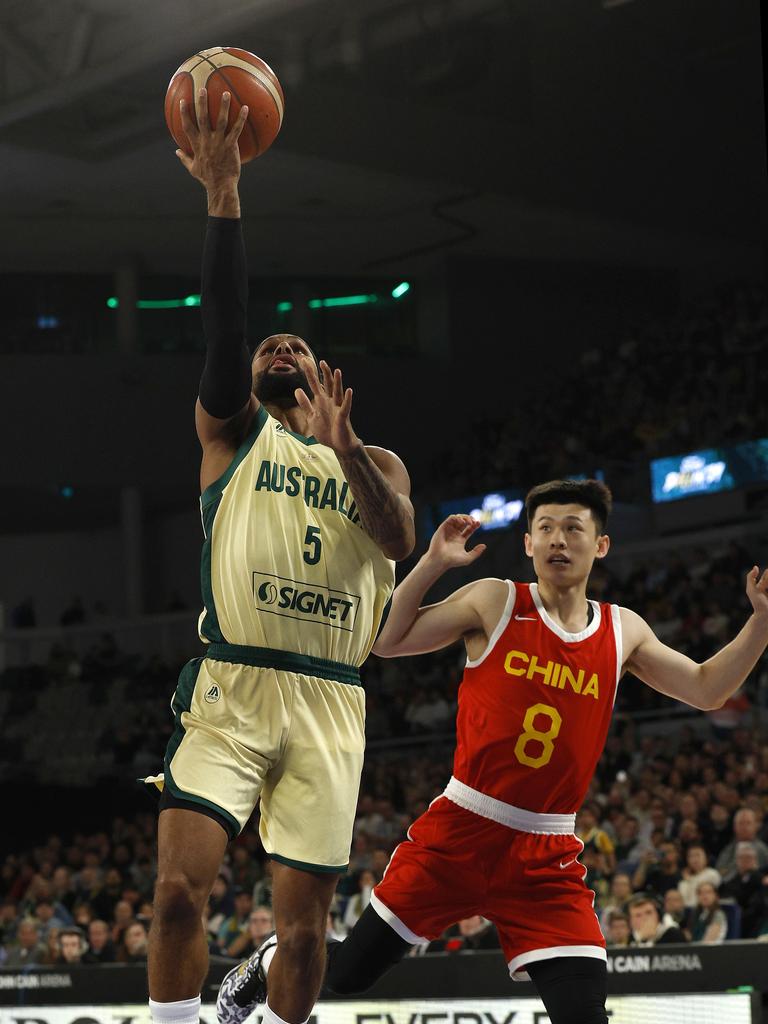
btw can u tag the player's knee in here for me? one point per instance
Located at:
(301, 941)
(178, 900)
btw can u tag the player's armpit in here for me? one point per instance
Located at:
(660, 667)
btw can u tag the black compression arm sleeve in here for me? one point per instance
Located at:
(225, 385)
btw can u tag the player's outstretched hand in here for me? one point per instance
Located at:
(757, 591)
(215, 160)
(328, 409)
(449, 541)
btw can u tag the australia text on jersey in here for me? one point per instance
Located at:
(552, 673)
(293, 482)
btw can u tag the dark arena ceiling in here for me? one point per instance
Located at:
(620, 130)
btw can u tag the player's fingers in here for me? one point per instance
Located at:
(310, 372)
(203, 117)
(221, 120)
(338, 387)
(302, 399)
(476, 552)
(186, 160)
(327, 377)
(346, 405)
(189, 126)
(239, 123)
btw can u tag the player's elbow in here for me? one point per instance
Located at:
(383, 649)
(399, 548)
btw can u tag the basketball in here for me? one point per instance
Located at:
(251, 82)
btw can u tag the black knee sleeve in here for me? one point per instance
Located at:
(572, 988)
(368, 952)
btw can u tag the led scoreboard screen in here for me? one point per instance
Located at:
(495, 511)
(709, 470)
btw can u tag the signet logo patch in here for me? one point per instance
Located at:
(212, 694)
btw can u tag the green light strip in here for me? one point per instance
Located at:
(401, 289)
(342, 300)
(189, 300)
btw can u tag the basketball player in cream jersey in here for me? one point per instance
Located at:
(535, 704)
(302, 526)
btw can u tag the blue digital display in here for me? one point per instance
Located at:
(495, 511)
(709, 471)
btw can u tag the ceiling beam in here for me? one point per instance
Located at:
(154, 47)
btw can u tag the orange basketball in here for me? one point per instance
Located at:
(250, 81)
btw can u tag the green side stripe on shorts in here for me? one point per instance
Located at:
(301, 865)
(180, 794)
(286, 661)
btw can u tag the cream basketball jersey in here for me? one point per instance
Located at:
(286, 563)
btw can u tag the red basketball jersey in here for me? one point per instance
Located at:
(534, 709)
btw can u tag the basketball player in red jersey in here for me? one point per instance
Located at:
(535, 704)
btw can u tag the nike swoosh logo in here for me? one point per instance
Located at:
(525, 618)
(567, 863)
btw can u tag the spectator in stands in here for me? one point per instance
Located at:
(659, 870)
(595, 839)
(134, 946)
(101, 949)
(708, 921)
(360, 899)
(233, 929)
(122, 917)
(718, 830)
(63, 890)
(675, 908)
(696, 870)
(629, 847)
(28, 950)
(262, 891)
(616, 900)
(650, 926)
(260, 925)
(47, 919)
(619, 933)
(747, 885)
(245, 870)
(221, 905)
(9, 923)
(745, 824)
(72, 946)
(106, 899)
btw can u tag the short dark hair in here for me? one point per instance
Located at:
(592, 494)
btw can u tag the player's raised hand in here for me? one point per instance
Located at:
(449, 541)
(328, 409)
(757, 591)
(215, 160)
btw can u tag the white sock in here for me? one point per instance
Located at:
(182, 1011)
(268, 1016)
(266, 960)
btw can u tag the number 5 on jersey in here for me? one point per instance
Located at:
(314, 544)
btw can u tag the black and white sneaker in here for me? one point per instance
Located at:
(244, 987)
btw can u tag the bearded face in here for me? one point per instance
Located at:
(277, 369)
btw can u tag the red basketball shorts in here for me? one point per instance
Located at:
(457, 863)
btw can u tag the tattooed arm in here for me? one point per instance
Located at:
(381, 487)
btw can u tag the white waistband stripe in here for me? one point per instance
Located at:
(506, 814)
